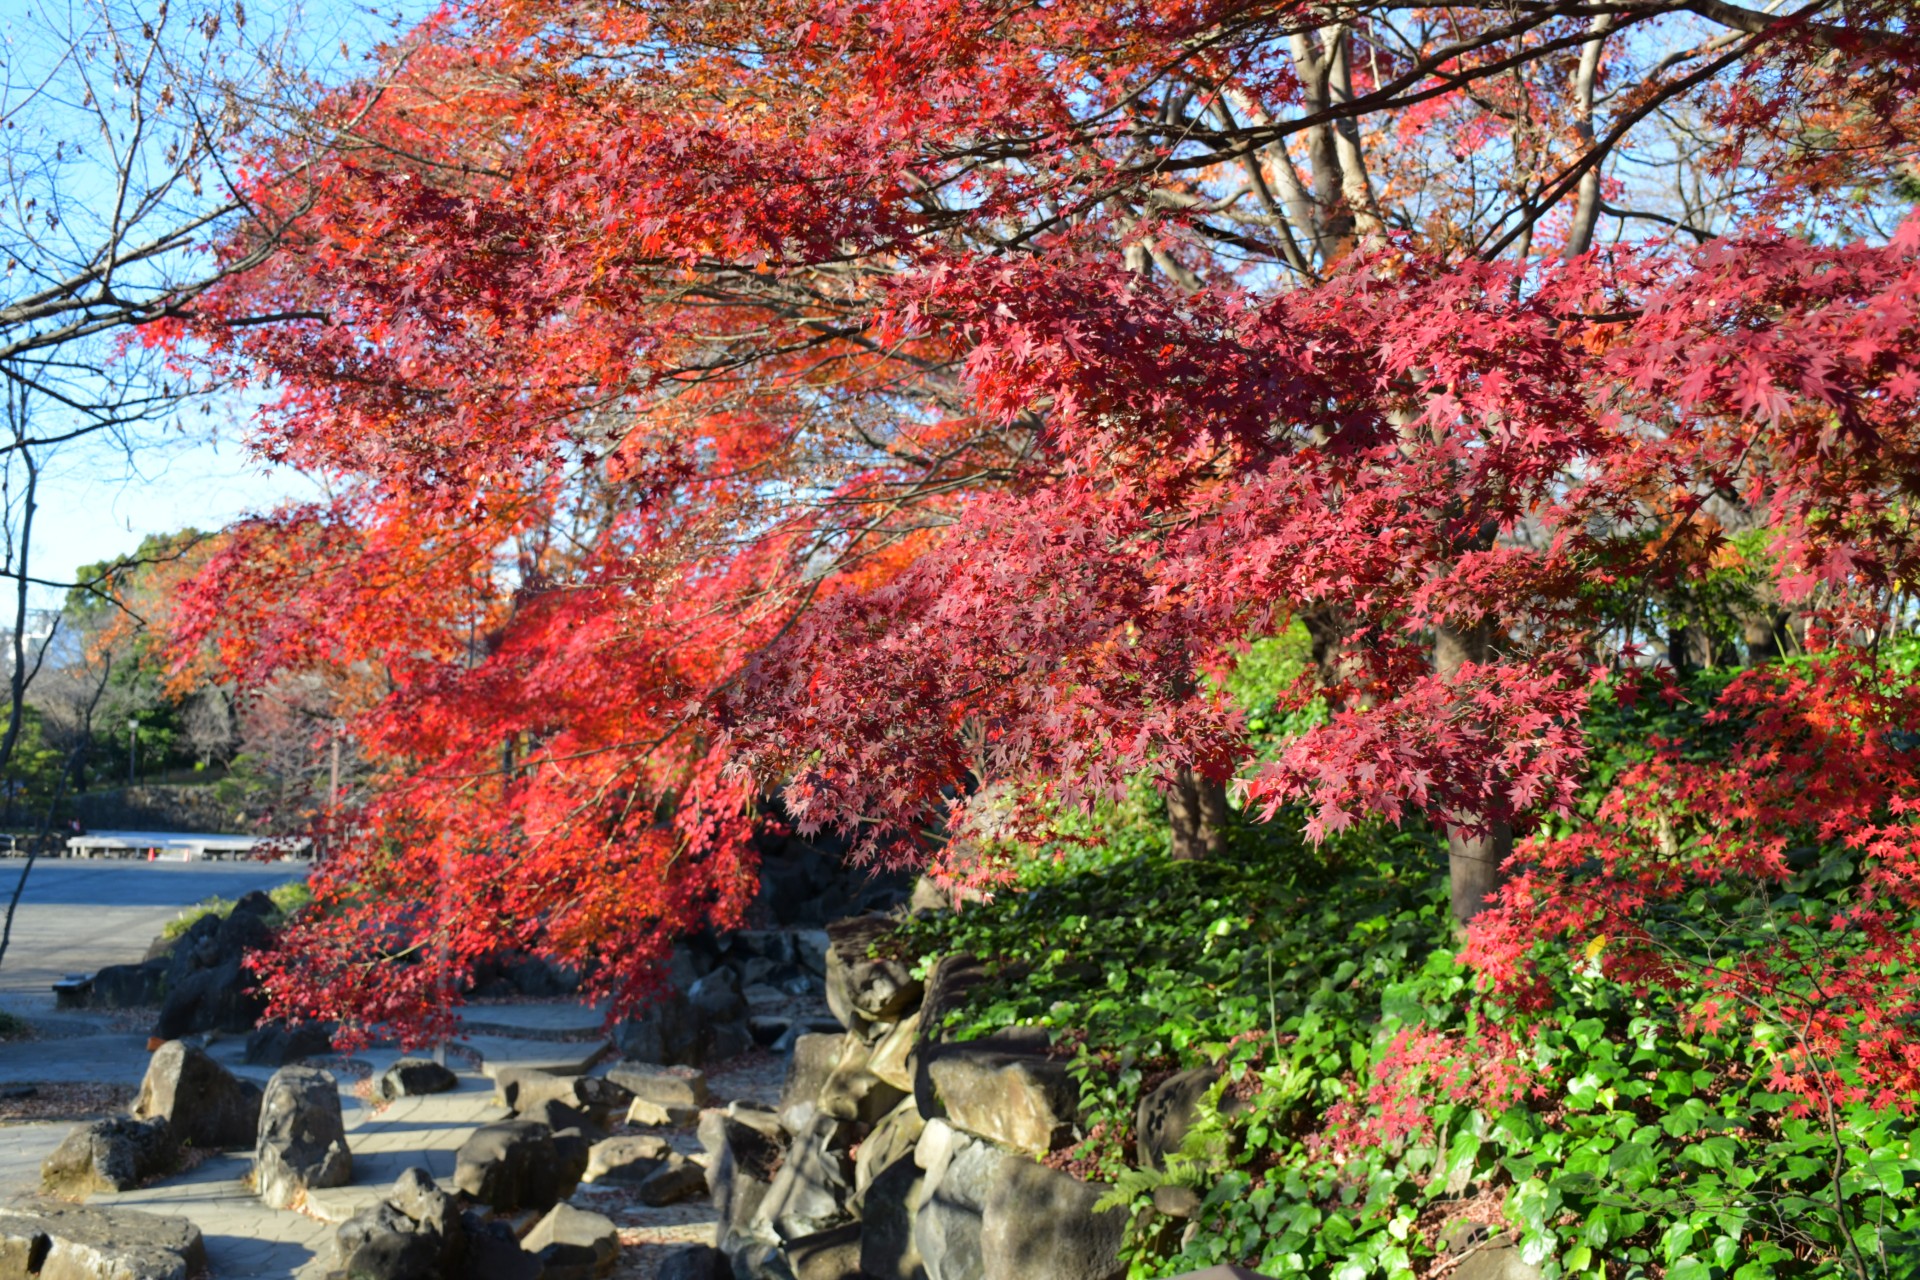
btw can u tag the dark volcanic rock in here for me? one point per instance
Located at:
(303, 1141)
(519, 1165)
(275, 1044)
(218, 998)
(109, 1155)
(127, 986)
(675, 1179)
(573, 1244)
(203, 1104)
(415, 1077)
(696, 1262)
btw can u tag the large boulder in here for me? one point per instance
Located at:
(88, 1242)
(865, 982)
(665, 1031)
(928, 898)
(194, 949)
(275, 1044)
(127, 986)
(382, 1243)
(418, 1232)
(1166, 1114)
(1003, 1089)
(416, 1077)
(675, 1179)
(303, 1140)
(627, 1160)
(765, 1119)
(557, 1115)
(891, 1059)
(203, 1104)
(829, 1255)
(952, 980)
(741, 1165)
(1498, 1262)
(812, 1061)
(720, 1041)
(531, 1093)
(716, 998)
(518, 1088)
(219, 998)
(417, 1195)
(810, 1191)
(948, 1218)
(573, 1244)
(109, 1155)
(664, 1086)
(494, 1252)
(894, 1138)
(1040, 1222)
(810, 950)
(254, 902)
(518, 1164)
(887, 1249)
(853, 1092)
(1164, 1118)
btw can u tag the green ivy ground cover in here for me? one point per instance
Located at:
(1647, 1151)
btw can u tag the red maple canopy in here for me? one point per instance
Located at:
(909, 404)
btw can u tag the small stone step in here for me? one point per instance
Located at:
(337, 1204)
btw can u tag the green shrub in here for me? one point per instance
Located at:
(287, 899)
(189, 916)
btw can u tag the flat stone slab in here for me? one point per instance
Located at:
(83, 1240)
(558, 1057)
(535, 1021)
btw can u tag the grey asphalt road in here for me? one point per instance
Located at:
(77, 915)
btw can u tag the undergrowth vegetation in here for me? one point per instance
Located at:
(1373, 1106)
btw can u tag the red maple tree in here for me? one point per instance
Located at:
(909, 404)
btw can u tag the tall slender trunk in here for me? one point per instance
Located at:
(39, 842)
(1477, 850)
(1197, 814)
(1586, 208)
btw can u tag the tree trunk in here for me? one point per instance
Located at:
(1197, 813)
(1766, 633)
(1477, 851)
(1475, 867)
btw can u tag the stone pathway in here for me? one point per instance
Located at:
(244, 1238)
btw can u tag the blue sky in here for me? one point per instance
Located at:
(97, 503)
(98, 500)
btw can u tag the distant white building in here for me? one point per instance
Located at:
(43, 626)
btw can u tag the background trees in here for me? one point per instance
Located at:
(922, 409)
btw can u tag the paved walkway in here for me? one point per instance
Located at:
(77, 916)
